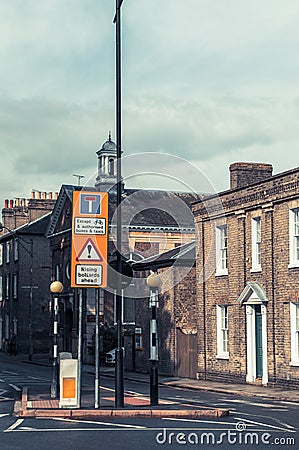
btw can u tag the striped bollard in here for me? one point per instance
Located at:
(56, 288)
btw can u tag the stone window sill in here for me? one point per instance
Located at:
(221, 274)
(294, 363)
(222, 357)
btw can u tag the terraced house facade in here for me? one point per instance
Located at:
(248, 278)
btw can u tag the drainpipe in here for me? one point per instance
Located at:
(204, 299)
(245, 279)
(273, 295)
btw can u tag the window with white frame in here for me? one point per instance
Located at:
(294, 315)
(221, 250)
(294, 237)
(222, 331)
(15, 286)
(7, 252)
(256, 243)
(16, 249)
(7, 287)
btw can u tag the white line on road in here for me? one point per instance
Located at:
(289, 403)
(262, 424)
(196, 420)
(14, 425)
(9, 373)
(3, 415)
(98, 423)
(285, 424)
(15, 387)
(41, 379)
(262, 405)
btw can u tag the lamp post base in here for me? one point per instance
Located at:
(154, 389)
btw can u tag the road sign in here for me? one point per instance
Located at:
(84, 225)
(89, 253)
(89, 239)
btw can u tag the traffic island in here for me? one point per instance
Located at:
(49, 408)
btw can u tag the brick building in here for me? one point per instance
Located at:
(177, 314)
(152, 222)
(25, 270)
(248, 278)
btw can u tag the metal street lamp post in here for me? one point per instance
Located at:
(56, 288)
(154, 281)
(119, 354)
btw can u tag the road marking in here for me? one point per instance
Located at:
(14, 425)
(107, 389)
(262, 405)
(289, 403)
(262, 424)
(285, 424)
(260, 416)
(10, 373)
(196, 420)
(2, 381)
(15, 387)
(3, 415)
(98, 423)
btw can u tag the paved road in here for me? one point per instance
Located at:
(256, 423)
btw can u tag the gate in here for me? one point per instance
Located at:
(186, 357)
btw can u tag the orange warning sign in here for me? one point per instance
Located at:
(89, 239)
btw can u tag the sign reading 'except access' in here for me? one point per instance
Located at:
(89, 239)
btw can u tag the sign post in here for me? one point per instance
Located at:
(89, 254)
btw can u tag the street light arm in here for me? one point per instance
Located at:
(118, 7)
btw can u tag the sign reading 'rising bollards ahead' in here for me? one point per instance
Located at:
(89, 239)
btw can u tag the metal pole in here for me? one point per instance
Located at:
(154, 391)
(54, 384)
(97, 371)
(119, 357)
(79, 348)
(31, 303)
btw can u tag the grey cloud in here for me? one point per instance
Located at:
(45, 137)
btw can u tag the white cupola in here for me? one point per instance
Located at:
(106, 178)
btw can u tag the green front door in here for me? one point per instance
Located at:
(258, 341)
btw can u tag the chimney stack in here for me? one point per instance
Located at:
(243, 174)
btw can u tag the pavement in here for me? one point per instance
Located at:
(36, 402)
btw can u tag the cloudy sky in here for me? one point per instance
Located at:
(212, 82)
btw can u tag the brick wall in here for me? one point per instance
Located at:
(271, 200)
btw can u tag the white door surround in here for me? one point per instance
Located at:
(254, 299)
